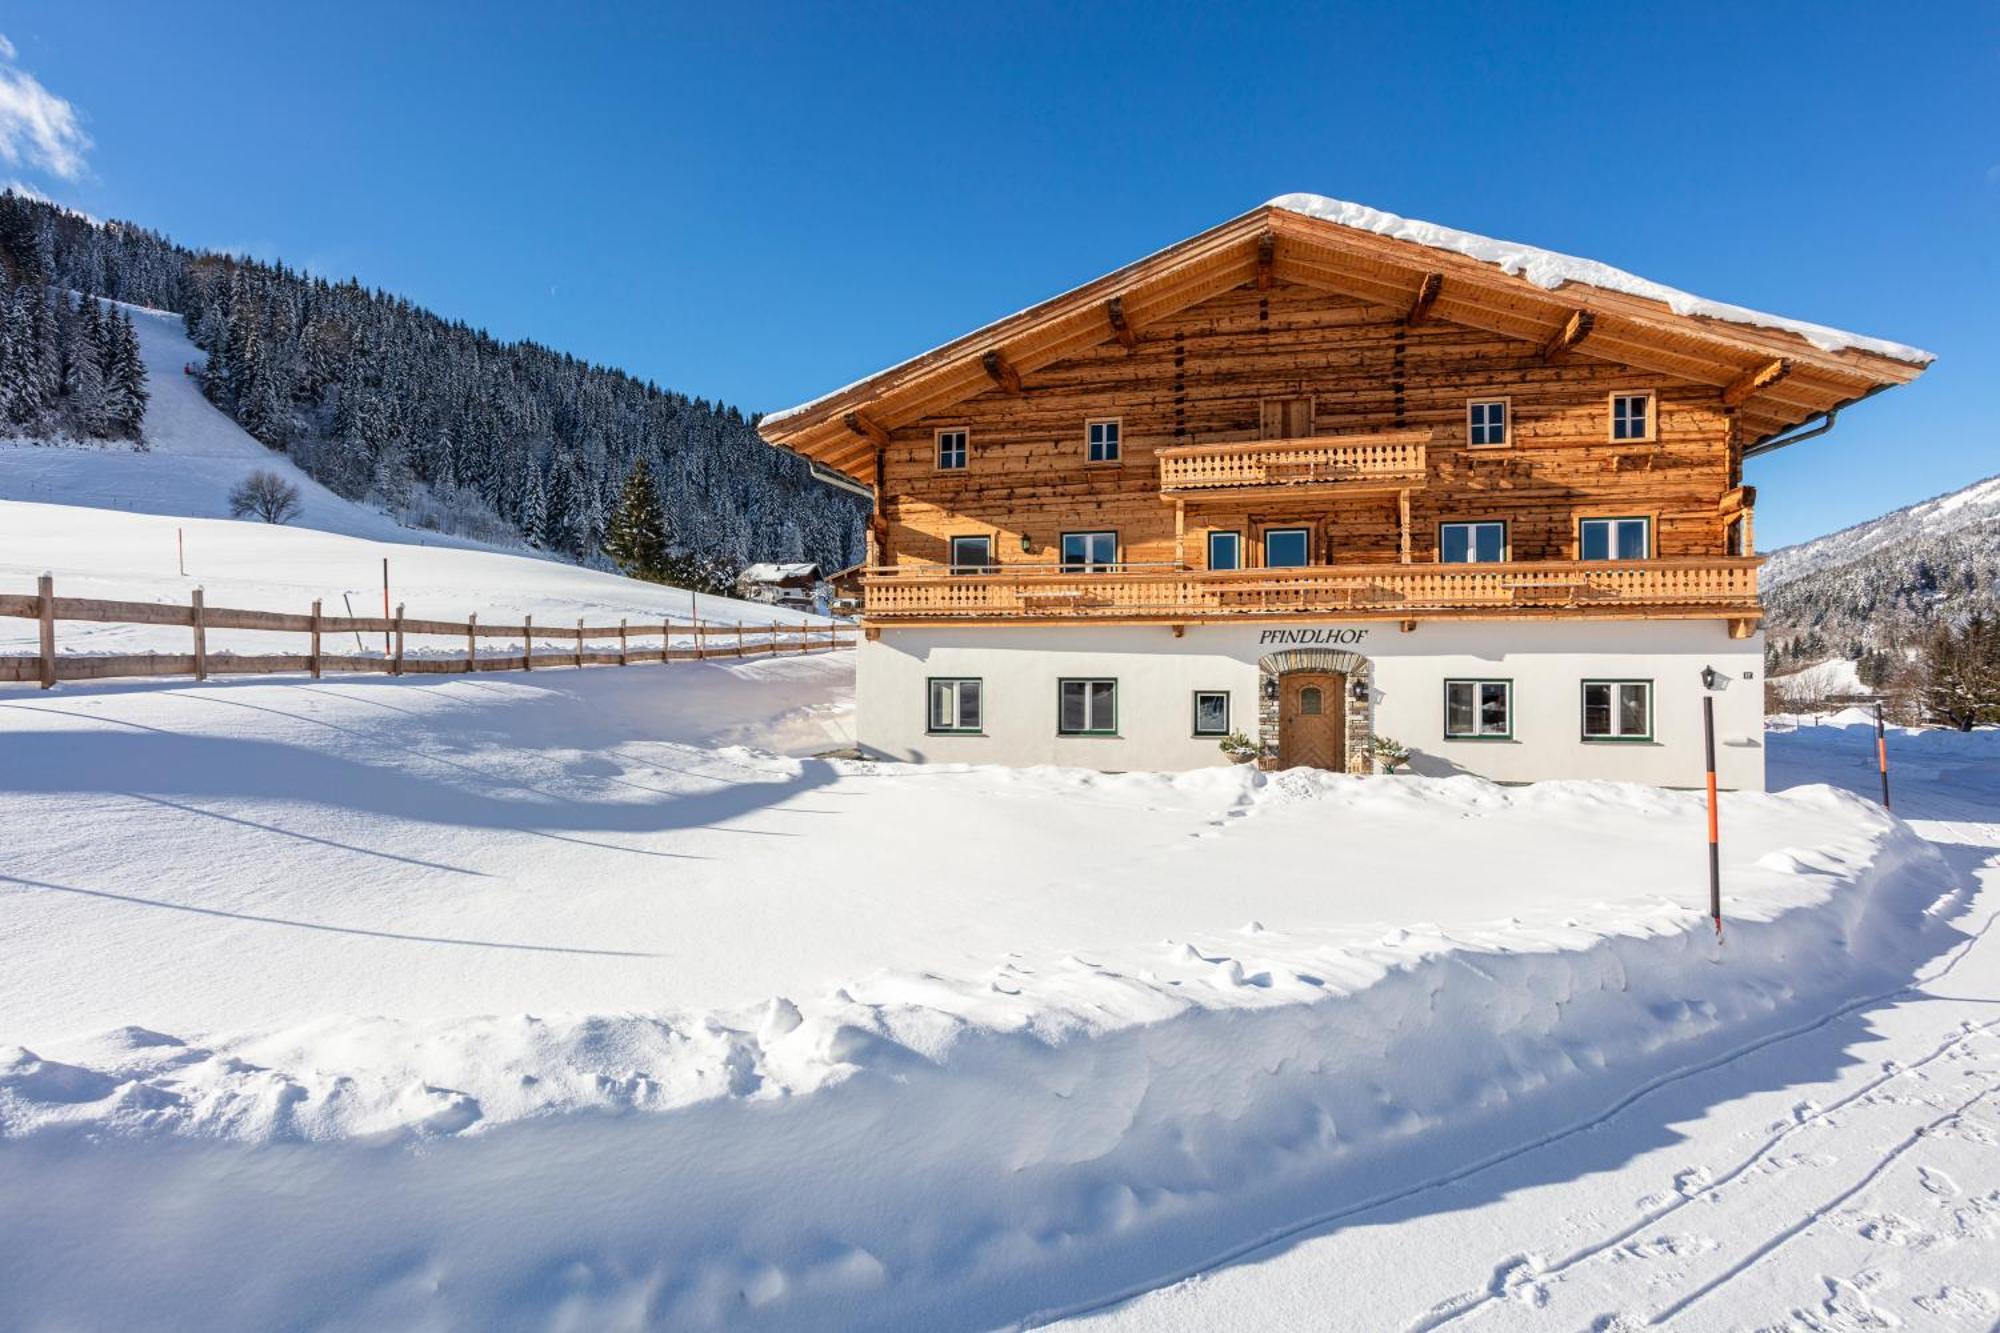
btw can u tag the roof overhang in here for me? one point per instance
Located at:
(1774, 373)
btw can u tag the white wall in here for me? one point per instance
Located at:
(1158, 674)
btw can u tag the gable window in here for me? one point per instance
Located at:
(1618, 710)
(1103, 435)
(1225, 550)
(1089, 552)
(956, 704)
(1285, 418)
(1614, 539)
(951, 450)
(1087, 707)
(1631, 416)
(1287, 548)
(971, 555)
(1486, 422)
(1472, 543)
(1479, 710)
(1211, 712)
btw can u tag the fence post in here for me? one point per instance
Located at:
(666, 641)
(313, 661)
(471, 642)
(45, 591)
(624, 644)
(399, 639)
(200, 640)
(579, 641)
(527, 643)
(700, 642)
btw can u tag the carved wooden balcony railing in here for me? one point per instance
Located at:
(1722, 585)
(1392, 461)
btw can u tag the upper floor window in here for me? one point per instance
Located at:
(951, 450)
(1486, 421)
(1225, 550)
(1103, 441)
(1089, 552)
(1286, 418)
(1287, 548)
(1631, 416)
(1469, 543)
(971, 555)
(1615, 539)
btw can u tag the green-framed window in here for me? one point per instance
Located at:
(1087, 707)
(1618, 710)
(956, 705)
(1479, 710)
(1211, 712)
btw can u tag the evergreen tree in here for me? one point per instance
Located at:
(636, 536)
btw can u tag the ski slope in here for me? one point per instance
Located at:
(194, 456)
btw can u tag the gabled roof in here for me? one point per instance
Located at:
(1776, 372)
(777, 572)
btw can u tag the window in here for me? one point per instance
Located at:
(1225, 550)
(1087, 707)
(1618, 710)
(971, 555)
(1631, 416)
(1615, 539)
(1312, 702)
(1211, 712)
(1089, 552)
(955, 705)
(1286, 418)
(1103, 441)
(1479, 710)
(951, 450)
(1287, 548)
(1472, 543)
(1486, 421)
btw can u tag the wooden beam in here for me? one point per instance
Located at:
(868, 430)
(1574, 330)
(1427, 295)
(1115, 310)
(1739, 390)
(1001, 371)
(1267, 256)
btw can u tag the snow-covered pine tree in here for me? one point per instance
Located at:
(636, 536)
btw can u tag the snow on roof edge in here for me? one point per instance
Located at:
(1549, 270)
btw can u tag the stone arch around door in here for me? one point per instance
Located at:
(1360, 716)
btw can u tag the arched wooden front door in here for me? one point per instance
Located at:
(1312, 720)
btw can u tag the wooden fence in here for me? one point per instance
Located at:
(701, 640)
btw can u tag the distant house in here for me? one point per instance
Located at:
(789, 585)
(847, 591)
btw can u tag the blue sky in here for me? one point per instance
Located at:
(758, 203)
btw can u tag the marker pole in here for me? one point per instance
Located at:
(1882, 753)
(1714, 841)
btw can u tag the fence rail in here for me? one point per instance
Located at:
(701, 640)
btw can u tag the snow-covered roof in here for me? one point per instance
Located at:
(1549, 270)
(773, 572)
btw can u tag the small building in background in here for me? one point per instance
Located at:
(845, 589)
(793, 585)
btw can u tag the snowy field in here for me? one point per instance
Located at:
(597, 1000)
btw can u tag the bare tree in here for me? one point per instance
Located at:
(267, 495)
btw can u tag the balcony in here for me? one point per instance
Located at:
(1722, 586)
(1344, 464)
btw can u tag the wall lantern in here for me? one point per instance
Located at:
(1358, 691)
(1027, 544)
(1710, 678)
(1270, 688)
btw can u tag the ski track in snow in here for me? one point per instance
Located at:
(1871, 1202)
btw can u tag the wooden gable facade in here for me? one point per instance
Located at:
(1283, 372)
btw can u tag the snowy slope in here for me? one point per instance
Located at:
(194, 455)
(600, 1018)
(1975, 507)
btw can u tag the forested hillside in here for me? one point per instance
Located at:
(1883, 584)
(444, 425)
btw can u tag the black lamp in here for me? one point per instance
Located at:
(1358, 690)
(1709, 678)
(1027, 544)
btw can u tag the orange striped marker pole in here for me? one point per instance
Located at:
(1882, 753)
(1714, 840)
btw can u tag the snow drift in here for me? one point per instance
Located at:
(912, 1149)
